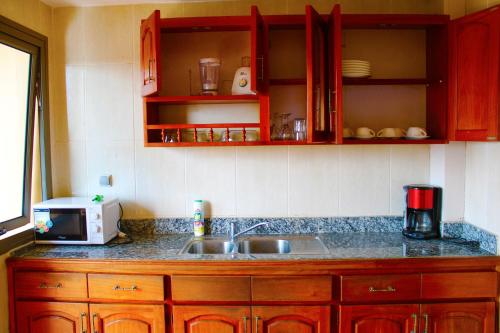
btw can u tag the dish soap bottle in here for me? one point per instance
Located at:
(241, 82)
(198, 218)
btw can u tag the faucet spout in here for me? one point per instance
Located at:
(233, 235)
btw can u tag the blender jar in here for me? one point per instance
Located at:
(209, 75)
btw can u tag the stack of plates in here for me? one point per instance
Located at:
(356, 68)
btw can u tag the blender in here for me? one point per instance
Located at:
(209, 76)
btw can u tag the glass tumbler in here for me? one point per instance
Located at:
(299, 129)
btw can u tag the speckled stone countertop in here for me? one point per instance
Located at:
(350, 245)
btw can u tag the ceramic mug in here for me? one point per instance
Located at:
(416, 132)
(347, 133)
(365, 133)
(390, 132)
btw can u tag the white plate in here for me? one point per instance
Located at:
(350, 61)
(390, 137)
(416, 137)
(356, 65)
(356, 75)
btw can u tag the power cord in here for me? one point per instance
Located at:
(122, 238)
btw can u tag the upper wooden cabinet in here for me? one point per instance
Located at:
(150, 54)
(474, 76)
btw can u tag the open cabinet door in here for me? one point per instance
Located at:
(150, 54)
(474, 76)
(317, 110)
(257, 51)
(335, 75)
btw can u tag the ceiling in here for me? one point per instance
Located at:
(90, 3)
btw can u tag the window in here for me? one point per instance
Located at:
(23, 101)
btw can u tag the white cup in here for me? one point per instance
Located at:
(365, 133)
(391, 132)
(416, 132)
(347, 133)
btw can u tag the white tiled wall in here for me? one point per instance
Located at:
(97, 130)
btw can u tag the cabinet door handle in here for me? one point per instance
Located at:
(150, 70)
(261, 77)
(245, 324)
(94, 327)
(44, 285)
(389, 289)
(257, 324)
(426, 322)
(414, 316)
(118, 288)
(83, 315)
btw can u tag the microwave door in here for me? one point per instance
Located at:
(63, 224)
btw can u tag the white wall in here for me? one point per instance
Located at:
(97, 129)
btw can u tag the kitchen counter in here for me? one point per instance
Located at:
(355, 245)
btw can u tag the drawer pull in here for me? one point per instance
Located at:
(44, 285)
(389, 289)
(118, 288)
(94, 327)
(257, 324)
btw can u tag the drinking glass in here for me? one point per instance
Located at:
(285, 132)
(299, 127)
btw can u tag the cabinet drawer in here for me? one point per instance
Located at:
(459, 285)
(367, 288)
(210, 288)
(49, 285)
(291, 288)
(126, 287)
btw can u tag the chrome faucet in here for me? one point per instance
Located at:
(232, 235)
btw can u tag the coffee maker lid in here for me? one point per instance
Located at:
(421, 186)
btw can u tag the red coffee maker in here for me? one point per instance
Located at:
(422, 215)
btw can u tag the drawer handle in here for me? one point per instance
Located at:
(257, 324)
(133, 288)
(44, 285)
(245, 324)
(389, 289)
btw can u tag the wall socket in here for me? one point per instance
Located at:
(105, 180)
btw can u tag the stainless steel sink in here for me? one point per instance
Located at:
(264, 245)
(208, 246)
(279, 244)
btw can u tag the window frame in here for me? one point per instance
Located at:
(22, 38)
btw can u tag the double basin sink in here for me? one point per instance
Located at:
(297, 244)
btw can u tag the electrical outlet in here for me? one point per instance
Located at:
(105, 180)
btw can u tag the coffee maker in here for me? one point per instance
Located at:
(422, 215)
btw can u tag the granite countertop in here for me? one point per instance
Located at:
(350, 245)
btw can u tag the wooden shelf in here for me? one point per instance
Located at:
(368, 81)
(219, 99)
(193, 126)
(287, 82)
(204, 144)
(376, 141)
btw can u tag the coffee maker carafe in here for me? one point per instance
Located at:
(422, 215)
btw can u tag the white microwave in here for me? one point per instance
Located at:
(76, 220)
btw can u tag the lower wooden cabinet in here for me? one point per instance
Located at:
(379, 318)
(296, 319)
(126, 318)
(473, 317)
(246, 319)
(51, 317)
(211, 319)
(476, 317)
